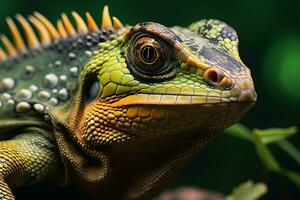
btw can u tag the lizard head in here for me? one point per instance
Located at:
(157, 94)
(152, 82)
(150, 97)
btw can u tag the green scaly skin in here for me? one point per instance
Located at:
(81, 111)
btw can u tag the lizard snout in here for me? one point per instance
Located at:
(248, 95)
(244, 90)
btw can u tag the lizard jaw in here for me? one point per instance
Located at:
(136, 118)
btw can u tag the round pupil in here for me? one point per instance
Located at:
(149, 54)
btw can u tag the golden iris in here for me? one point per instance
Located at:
(148, 54)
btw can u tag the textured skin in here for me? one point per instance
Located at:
(27, 158)
(127, 135)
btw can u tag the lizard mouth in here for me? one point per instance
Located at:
(143, 116)
(155, 114)
(173, 100)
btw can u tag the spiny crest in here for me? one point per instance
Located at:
(47, 32)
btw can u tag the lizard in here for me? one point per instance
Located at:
(115, 110)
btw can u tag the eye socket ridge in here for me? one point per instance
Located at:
(151, 58)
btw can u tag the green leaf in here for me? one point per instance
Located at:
(240, 131)
(248, 191)
(275, 134)
(266, 156)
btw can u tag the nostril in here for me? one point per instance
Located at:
(213, 76)
(217, 78)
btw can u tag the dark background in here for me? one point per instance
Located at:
(269, 44)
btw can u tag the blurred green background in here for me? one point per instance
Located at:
(269, 33)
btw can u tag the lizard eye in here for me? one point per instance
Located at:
(148, 54)
(151, 58)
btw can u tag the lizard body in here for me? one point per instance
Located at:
(116, 111)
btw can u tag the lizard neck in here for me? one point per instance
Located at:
(134, 170)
